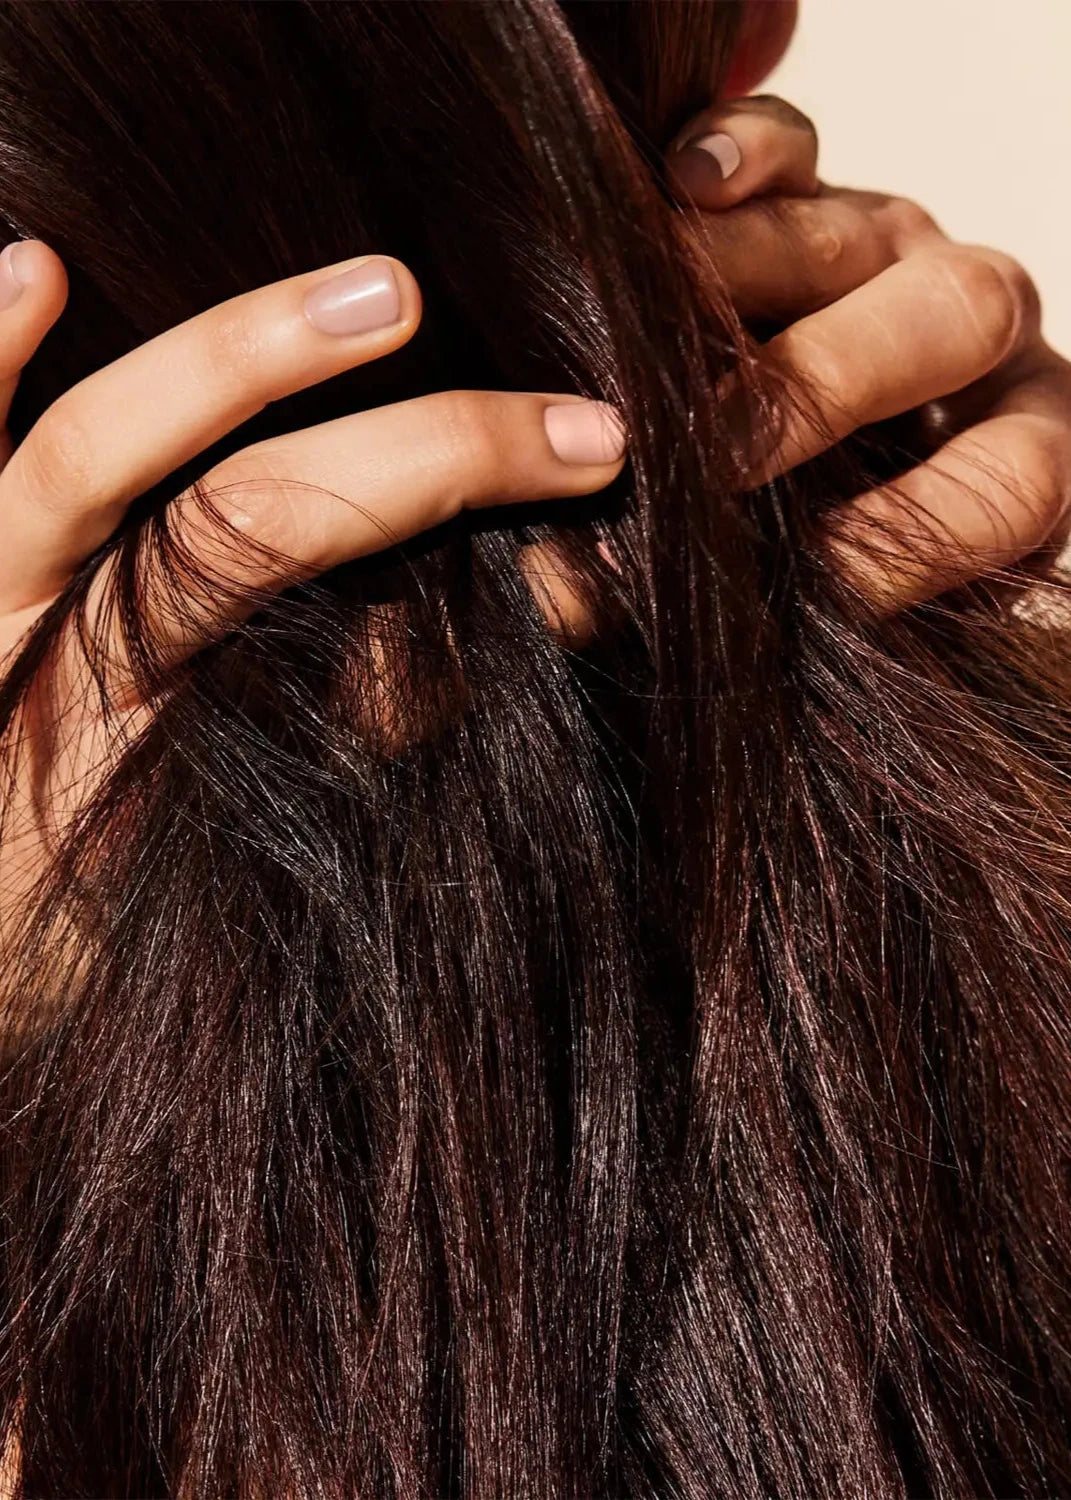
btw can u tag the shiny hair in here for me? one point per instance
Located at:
(648, 1075)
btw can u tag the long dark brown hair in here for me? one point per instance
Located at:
(649, 1074)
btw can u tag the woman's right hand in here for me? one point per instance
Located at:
(883, 314)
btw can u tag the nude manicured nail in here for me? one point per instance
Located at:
(358, 301)
(585, 432)
(10, 284)
(719, 154)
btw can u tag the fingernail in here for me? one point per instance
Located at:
(10, 284)
(585, 432)
(358, 301)
(722, 153)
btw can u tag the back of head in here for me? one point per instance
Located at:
(445, 1062)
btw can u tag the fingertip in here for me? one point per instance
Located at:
(33, 293)
(701, 169)
(589, 434)
(33, 262)
(31, 269)
(410, 299)
(374, 297)
(754, 147)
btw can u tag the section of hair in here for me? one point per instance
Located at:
(640, 1072)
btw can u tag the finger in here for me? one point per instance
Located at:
(33, 292)
(112, 437)
(296, 506)
(988, 498)
(782, 258)
(925, 327)
(743, 150)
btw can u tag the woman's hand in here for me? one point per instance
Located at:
(886, 315)
(66, 487)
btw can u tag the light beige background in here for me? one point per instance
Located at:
(964, 105)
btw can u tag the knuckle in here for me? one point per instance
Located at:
(819, 233)
(1042, 467)
(58, 458)
(829, 246)
(825, 230)
(1020, 489)
(910, 220)
(233, 347)
(993, 297)
(837, 391)
(782, 113)
(469, 430)
(1021, 286)
(842, 394)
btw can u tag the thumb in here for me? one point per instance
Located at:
(744, 149)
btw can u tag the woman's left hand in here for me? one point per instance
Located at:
(885, 315)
